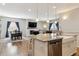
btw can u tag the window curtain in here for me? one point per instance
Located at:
(17, 24)
(7, 33)
(8, 24)
(57, 24)
(50, 26)
(53, 24)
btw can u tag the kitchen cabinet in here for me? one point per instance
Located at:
(55, 48)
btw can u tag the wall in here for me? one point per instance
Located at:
(22, 23)
(71, 24)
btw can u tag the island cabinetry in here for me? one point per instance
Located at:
(47, 48)
(55, 47)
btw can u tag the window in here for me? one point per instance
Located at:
(54, 26)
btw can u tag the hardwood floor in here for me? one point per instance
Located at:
(17, 48)
(77, 54)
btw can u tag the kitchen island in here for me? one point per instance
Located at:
(46, 45)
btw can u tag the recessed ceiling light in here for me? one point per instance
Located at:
(64, 17)
(29, 10)
(54, 7)
(3, 4)
(55, 22)
(37, 19)
(47, 21)
(44, 26)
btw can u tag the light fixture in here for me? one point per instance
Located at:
(47, 15)
(54, 7)
(55, 16)
(47, 21)
(65, 17)
(44, 26)
(37, 19)
(3, 4)
(55, 22)
(29, 10)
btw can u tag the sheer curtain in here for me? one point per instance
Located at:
(11, 26)
(53, 27)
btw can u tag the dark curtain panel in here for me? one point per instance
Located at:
(8, 24)
(57, 25)
(17, 24)
(50, 25)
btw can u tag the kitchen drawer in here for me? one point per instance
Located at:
(55, 48)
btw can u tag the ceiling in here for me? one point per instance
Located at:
(31, 10)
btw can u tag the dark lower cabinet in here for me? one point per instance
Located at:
(55, 47)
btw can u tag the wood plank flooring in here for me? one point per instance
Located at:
(14, 49)
(77, 54)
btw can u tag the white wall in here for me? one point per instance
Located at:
(4, 25)
(71, 24)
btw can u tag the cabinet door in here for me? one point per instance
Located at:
(55, 49)
(60, 48)
(50, 50)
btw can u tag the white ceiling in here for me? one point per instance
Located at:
(20, 10)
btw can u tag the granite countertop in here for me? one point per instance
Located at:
(49, 37)
(46, 37)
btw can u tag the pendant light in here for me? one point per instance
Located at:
(48, 14)
(37, 19)
(55, 16)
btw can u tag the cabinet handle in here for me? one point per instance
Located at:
(55, 43)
